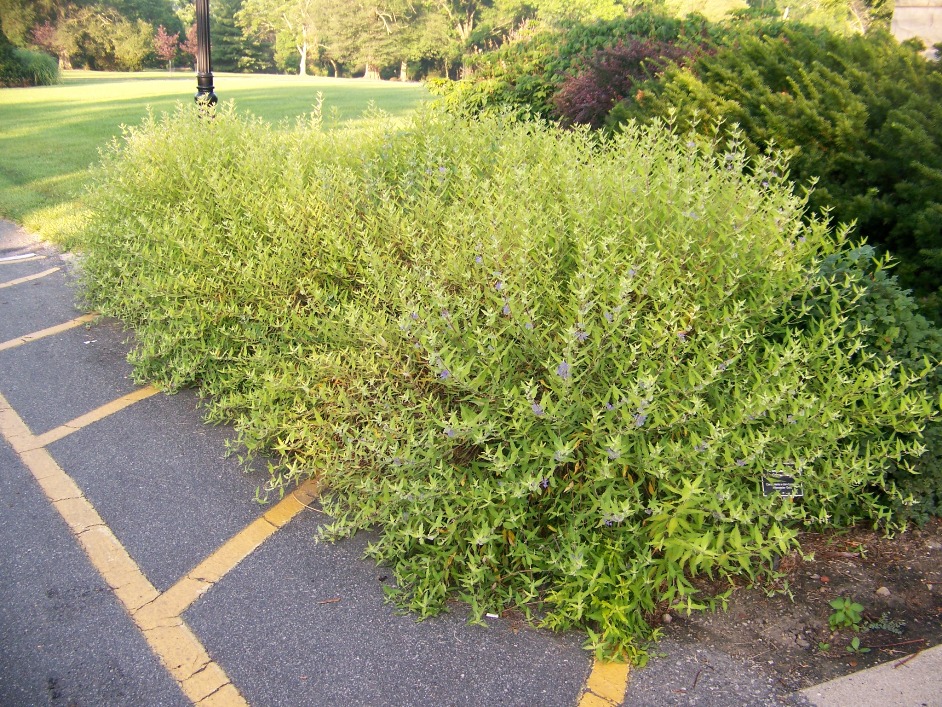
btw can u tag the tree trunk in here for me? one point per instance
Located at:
(302, 47)
(336, 68)
(371, 71)
(302, 68)
(404, 70)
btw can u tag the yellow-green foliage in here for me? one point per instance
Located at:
(552, 371)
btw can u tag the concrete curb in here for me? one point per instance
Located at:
(915, 681)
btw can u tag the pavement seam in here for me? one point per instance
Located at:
(29, 278)
(43, 333)
(172, 641)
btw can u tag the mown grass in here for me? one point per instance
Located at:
(50, 136)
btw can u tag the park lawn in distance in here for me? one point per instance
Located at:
(50, 135)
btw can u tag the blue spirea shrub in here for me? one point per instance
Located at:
(553, 371)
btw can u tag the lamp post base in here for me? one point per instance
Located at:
(206, 99)
(205, 95)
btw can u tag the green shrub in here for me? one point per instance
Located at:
(524, 77)
(892, 329)
(551, 372)
(39, 69)
(21, 67)
(860, 117)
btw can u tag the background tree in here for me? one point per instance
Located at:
(133, 44)
(166, 46)
(18, 18)
(190, 45)
(583, 10)
(294, 27)
(233, 48)
(46, 36)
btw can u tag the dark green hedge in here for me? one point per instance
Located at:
(21, 67)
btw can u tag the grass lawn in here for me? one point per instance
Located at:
(50, 135)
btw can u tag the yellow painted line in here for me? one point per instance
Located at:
(43, 333)
(606, 685)
(177, 647)
(201, 578)
(104, 411)
(28, 278)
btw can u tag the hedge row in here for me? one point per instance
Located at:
(552, 371)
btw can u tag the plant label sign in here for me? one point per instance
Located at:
(782, 484)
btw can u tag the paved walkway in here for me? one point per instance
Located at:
(137, 568)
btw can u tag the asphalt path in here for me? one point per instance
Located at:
(138, 568)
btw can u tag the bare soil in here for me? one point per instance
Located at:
(783, 621)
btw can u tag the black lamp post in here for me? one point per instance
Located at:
(204, 70)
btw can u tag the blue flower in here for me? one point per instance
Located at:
(537, 409)
(506, 310)
(609, 407)
(449, 432)
(740, 462)
(478, 259)
(632, 272)
(640, 419)
(414, 316)
(528, 325)
(581, 336)
(445, 374)
(609, 317)
(544, 484)
(612, 454)
(442, 169)
(562, 370)
(499, 286)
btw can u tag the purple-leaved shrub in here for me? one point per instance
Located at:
(610, 75)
